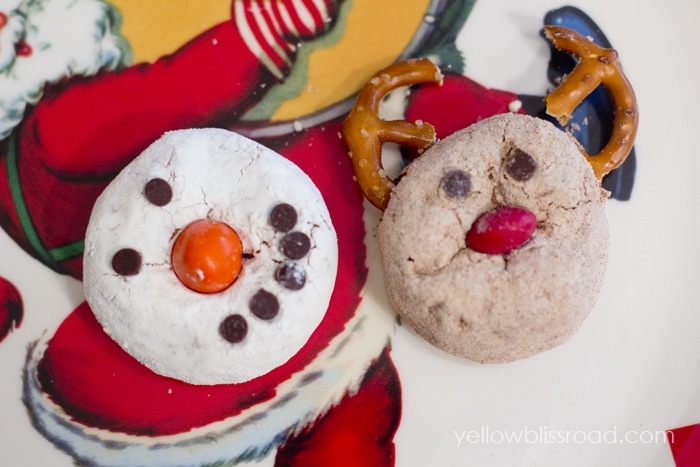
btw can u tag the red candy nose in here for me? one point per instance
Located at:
(501, 230)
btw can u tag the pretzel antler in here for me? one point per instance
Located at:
(365, 133)
(596, 66)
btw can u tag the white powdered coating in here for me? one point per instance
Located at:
(496, 308)
(171, 329)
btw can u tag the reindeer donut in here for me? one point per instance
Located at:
(494, 241)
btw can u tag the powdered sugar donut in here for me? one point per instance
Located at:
(210, 258)
(449, 270)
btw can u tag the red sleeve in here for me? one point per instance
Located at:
(96, 125)
(358, 431)
(11, 308)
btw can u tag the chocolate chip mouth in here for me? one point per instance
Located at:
(264, 305)
(283, 217)
(234, 328)
(295, 245)
(290, 274)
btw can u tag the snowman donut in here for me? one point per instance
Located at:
(210, 258)
(494, 241)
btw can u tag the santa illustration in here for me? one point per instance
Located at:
(74, 111)
(75, 114)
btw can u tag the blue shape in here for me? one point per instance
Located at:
(591, 121)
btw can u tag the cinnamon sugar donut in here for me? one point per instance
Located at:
(491, 307)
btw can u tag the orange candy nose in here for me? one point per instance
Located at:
(207, 256)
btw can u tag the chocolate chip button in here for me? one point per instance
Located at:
(292, 276)
(158, 192)
(233, 328)
(520, 165)
(264, 305)
(126, 262)
(295, 245)
(456, 184)
(283, 217)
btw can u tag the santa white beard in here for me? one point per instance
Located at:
(66, 38)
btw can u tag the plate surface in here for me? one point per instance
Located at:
(608, 395)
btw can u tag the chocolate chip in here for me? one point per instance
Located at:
(264, 305)
(520, 165)
(456, 183)
(233, 328)
(292, 276)
(295, 245)
(283, 217)
(158, 192)
(126, 262)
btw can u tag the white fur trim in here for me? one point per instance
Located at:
(253, 434)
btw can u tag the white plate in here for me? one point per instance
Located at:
(606, 397)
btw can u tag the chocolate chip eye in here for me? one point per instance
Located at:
(126, 262)
(456, 184)
(295, 245)
(264, 305)
(233, 328)
(520, 165)
(283, 217)
(158, 192)
(292, 276)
